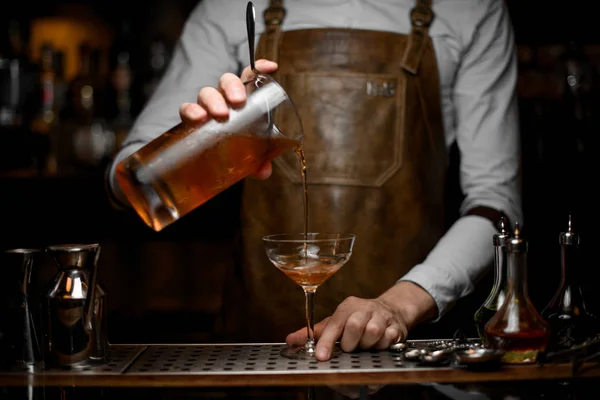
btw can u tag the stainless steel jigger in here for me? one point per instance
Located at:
(76, 314)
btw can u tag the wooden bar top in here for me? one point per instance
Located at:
(511, 374)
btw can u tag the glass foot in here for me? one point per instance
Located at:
(301, 353)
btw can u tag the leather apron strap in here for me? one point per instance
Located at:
(273, 16)
(421, 17)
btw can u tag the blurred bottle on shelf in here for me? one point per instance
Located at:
(16, 84)
(45, 113)
(10, 83)
(85, 142)
(155, 66)
(119, 92)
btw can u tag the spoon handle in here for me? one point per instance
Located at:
(250, 29)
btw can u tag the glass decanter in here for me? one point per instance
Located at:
(570, 321)
(517, 328)
(499, 288)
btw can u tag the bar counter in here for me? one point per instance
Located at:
(259, 366)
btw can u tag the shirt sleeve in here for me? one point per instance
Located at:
(202, 54)
(487, 129)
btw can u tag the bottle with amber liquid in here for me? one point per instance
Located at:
(499, 288)
(570, 321)
(517, 328)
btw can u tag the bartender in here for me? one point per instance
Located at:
(384, 89)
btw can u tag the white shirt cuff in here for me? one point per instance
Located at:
(456, 263)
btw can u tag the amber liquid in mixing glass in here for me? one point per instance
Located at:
(163, 198)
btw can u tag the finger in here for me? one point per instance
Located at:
(213, 102)
(374, 330)
(354, 330)
(264, 171)
(299, 337)
(331, 332)
(233, 88)
(262, 66)
(320, 327)
(392, 335)
(192, 113)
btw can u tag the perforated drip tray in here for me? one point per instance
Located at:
(251, 359)
(121, 357)
(225, 359)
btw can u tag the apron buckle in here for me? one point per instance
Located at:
(274, 15)
(421, 16)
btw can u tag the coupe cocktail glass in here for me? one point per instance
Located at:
(309, 260)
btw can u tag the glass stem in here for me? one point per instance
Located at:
(309, 294)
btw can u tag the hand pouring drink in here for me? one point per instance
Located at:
(188, 165)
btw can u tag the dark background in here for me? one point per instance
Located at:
(163, 286)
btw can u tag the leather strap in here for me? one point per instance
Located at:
(273, 16)
(421, 17)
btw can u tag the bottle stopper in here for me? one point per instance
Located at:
(569, 237)
(517, 244)
(501, 238)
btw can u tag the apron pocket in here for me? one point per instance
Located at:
(353, 127)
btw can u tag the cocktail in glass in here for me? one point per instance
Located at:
(309, 260)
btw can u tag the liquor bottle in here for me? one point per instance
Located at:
(10, 83)
(570, 321)
(45, 113)
(16, 84)
(119, 96)
(83, 88)
(499, 288)
(157, 63)
(517, 328)
(16, 74)
(86, 141)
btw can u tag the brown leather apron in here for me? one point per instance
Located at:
(376, 158)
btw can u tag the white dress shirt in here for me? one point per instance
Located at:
(473, 41)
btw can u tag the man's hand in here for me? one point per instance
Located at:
(213, 102)
(360, 323)
(371, 323)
